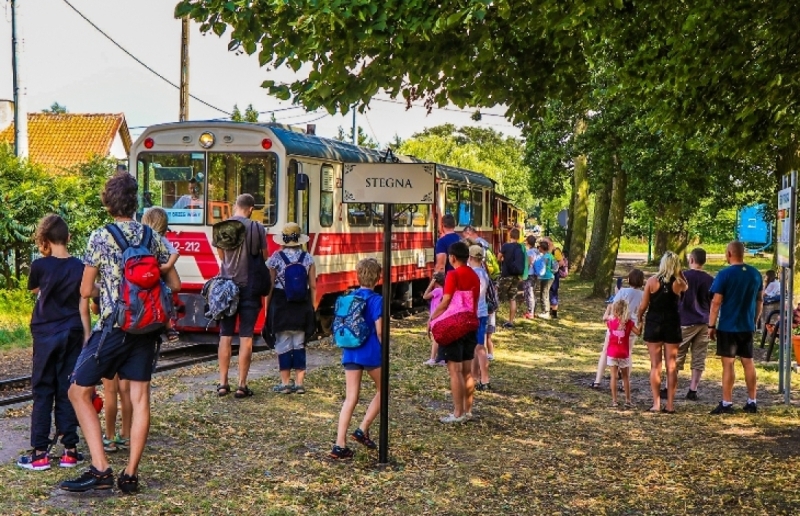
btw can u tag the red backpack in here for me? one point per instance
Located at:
(145, 302)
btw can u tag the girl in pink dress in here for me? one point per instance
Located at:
(434, 294)
(620, 326)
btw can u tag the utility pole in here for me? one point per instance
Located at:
(184, 114)
(355, 134)
(20, 109)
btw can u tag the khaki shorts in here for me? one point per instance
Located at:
(695, 337)
(507, 288)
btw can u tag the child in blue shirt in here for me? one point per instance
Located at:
(59, 326)
(366, 357)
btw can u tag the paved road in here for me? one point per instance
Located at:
(641, 257)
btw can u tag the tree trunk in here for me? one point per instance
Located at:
(570, 221)
(616, 219)
(602, 205)
(580, 208)
(660, 244)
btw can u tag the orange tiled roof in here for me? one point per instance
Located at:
(63, 140)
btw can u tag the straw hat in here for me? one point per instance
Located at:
(290, 236)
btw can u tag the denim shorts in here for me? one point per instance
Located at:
(131, 356)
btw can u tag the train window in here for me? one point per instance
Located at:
(377, 214)
(477, 208)
(232, 174)
(175, 182)
(358, 215)
(451, 201)
(326, 196)
(420, 217)
(403, 214)
(465, 207)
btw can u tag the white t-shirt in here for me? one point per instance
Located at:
(634, 298)
(773, 289)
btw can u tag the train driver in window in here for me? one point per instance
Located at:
(191, 200)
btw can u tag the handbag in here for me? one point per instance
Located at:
(457, 320)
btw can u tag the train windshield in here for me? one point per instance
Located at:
(200, 188)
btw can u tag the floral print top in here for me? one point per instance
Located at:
(103, 253)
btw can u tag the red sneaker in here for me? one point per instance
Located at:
(34, 461)
(70, 458)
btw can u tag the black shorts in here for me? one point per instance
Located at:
(247, 313)
(668, 332)
(352, 366)
(131, 356)
(732, 344)
(461, 350)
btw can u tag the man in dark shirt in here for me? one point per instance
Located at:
(512, 261)
(448, 238)
(694, 309)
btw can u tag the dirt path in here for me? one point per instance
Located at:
(15, 420)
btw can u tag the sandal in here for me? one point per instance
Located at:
(299, 389)
(243, 392)
(173, 335)
(614, 404)
(595, 386)
(283, 388)
(665, 411)
(223, 390)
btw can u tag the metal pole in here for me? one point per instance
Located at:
(650, 242)
(383, 443)
(184, 101)
(787, 354)
(20, 108)
(355, 134)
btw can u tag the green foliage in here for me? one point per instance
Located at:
(16, 307)
(363, 139)
(250, 114)
(28, 192)
(56, 109)
(482, 150)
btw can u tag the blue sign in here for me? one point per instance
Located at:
(753, 229)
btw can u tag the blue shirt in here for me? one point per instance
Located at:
(739, 286)
(368, 354)
(443, 244)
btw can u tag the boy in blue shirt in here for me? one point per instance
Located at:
(366, 357)
(59, 326)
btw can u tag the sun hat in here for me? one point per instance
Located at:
(476, 251)
(290, 236)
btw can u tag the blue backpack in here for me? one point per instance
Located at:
(295, 278)
(350, 327)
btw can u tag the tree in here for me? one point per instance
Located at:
(56, 109)
(471, 53)
(363, 139)
(486, 151)
(250, 114)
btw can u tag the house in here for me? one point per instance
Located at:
(60, 141)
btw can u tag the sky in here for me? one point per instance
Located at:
(66, 60)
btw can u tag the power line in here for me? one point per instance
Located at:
(98, 29)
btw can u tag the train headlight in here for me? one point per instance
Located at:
(207, 140)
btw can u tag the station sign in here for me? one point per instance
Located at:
(387, 183)
(785, 227)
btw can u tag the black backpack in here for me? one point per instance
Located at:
(516, 262)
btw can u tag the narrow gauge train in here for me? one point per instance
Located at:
(195, 171)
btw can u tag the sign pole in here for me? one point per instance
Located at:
(383, 442)
(785, 242)
(389, 183)
(787, 353)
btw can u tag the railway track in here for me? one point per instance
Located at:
(17, 390)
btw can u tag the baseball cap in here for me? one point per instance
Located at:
(476, 251)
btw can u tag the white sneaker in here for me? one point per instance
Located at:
(430, 362)
(467, 416)
(489, 356)
(543, 316)
(451, 418)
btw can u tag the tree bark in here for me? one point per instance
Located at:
(570, 222)
(660, 244)
(580, 208)
(616, 219)
(602, 205)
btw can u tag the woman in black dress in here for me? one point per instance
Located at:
(662, 325)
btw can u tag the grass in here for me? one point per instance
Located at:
(628, 245)
(15, 317)
(542, 443)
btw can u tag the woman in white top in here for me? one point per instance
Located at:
(633, 294)
(772, 296)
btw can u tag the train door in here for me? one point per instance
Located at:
(298, 192)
